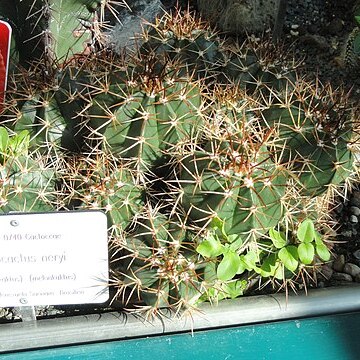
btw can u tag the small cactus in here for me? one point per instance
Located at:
(313, 132)
(159, 265)
(28, 185)
(101, 183)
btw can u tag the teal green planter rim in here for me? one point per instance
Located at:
(119, 326)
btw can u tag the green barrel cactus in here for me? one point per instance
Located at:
(154, 118)
(182, 38)
(159, 265)
(232, 176)
(248, 200)
(102, 183)
(313, 135)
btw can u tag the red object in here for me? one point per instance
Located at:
(5, 40)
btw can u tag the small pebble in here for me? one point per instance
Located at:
(3, 312)
(355, 210)
(347, 233)
(354, 219)
(351, 269)
(339, 263)
(357, 254)
(327, 272)
(338, 276)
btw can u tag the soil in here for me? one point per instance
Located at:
(315, 31)
(320, 30)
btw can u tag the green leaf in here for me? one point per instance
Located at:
(228, 266)
(234, 289)
(242, 265)
(279, 272)
(217, 223)
(318, 239)
(19, 144)
(357, 19)
(219, 226)
(211, 247)
(233, 237)
(323, 251)
(306, 253)
(4, 139)
(236, 243)
(269, 266)
(306, 231)
(289, 257)
(250, 259)
(277, 238)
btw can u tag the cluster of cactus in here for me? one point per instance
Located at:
(186, 131)
(181, 38)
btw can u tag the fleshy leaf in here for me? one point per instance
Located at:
(4, 139)
(269, 266)
(306, 253)
(289, 257)
(250, 259)
(277, 238)
(228, 266)
(234, 289)
(323, 251)
(211, 247)
(306, 231)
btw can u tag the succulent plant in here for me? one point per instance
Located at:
(153, 119)
(101, 183)
(158, 265)
(186, 131)
(183, 38)
(53, 31)
(28, 180)
(245, 193)
(312, 132)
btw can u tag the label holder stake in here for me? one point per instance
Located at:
(27, 313)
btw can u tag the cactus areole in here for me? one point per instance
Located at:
(5, 39)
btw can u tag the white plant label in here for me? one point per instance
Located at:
(53, 258)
